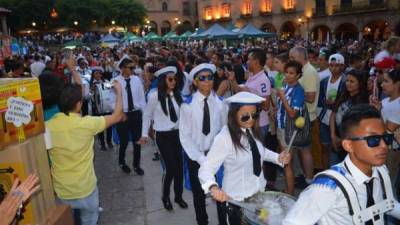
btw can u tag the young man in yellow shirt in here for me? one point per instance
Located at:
(72, 138)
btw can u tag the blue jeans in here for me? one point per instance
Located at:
(88, 207)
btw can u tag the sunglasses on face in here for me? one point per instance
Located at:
(170, 79)
(204, 78)
(375, 140)
(245, 117)
(130, 67)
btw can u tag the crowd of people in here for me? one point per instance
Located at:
(234, 107)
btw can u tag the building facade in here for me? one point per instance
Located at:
(167, 15)
(313, 19)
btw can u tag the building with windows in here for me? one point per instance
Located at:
(167, 15)
(312, 19)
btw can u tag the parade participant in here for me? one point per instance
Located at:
(97, 83)
(201, 118)
(310, 82)
(290, 102)
(330, 88)
(133, 105)
(163, 109)
(358, 190)
(72, 138)
(239, 148)
(85, 74)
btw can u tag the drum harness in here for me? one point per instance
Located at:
(359, 215)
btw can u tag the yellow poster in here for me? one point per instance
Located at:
(8, 172)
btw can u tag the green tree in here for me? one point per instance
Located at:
(127, 12)
(24, 12)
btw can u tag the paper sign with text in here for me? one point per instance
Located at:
(19, 111)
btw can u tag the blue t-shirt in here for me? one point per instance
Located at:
(50, 112)
(295, 97)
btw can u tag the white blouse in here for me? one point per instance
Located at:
(154, 112)
(239, 180)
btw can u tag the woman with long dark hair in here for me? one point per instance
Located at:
(222, 85)
(163, 109)
(239, 148)
(356, 92)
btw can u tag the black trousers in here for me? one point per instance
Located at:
(171, 152)
(133, 126)
(108, 130)
(233, 214)
(199, 198)
(270, 169)
(85, 107)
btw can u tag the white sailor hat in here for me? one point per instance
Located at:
(200, 68)
(81, 57)
(97, 68)
(122, 59)
(244, 98)
(165, 70)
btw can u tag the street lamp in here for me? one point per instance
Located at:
(76, 23)
(33, 24)
(113, 22)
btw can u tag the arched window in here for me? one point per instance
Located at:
(290, 4)
(164, 6)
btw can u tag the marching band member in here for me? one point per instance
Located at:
(239, 148)
(133, 105)
(201, 118)
(163, 108)
(97, 82)
(358, 190)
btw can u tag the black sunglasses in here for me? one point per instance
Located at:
(204, 78)
(375, 140)
(245, 117)
(130, 67)
(170, 79)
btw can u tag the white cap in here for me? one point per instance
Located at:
(245, 98)
(200, 68)
(165, 70)
(339, 59)
(47, 59)
(97, 68)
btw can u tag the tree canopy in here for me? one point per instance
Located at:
(86, 13)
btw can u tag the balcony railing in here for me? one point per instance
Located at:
(246, 16)
(222, 19)
(363, 6)
(288, 10)
(319, 12)
(265, 13)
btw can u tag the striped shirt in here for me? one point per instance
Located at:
(295, 97)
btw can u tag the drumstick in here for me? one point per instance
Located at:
(299, 123)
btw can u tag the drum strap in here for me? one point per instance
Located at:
(348, 190)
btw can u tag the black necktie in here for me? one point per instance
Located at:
(255, 153)
(206, 118)
(129, 92)
(370, 199)
(171, 109)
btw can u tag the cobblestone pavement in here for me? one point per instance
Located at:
(132, 199)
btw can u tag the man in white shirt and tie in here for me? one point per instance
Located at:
(133, 102)
(201, 118)
(358, 190)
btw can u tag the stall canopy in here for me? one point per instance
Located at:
(152, 37)
(109, 41)
(185, 36)
(216, 31)
(250, 31)
(131, 37)
(73, 44)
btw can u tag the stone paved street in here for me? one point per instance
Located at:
(136, 200)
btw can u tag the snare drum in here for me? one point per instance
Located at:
(277, 205)
(104, 98)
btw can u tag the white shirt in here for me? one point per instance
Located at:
(391, 110)
(153, 111)
(324, 74)
(327, 205)
(139, 101)
(239, 180)
(37, 68)
(194, 142)
(331, 94)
